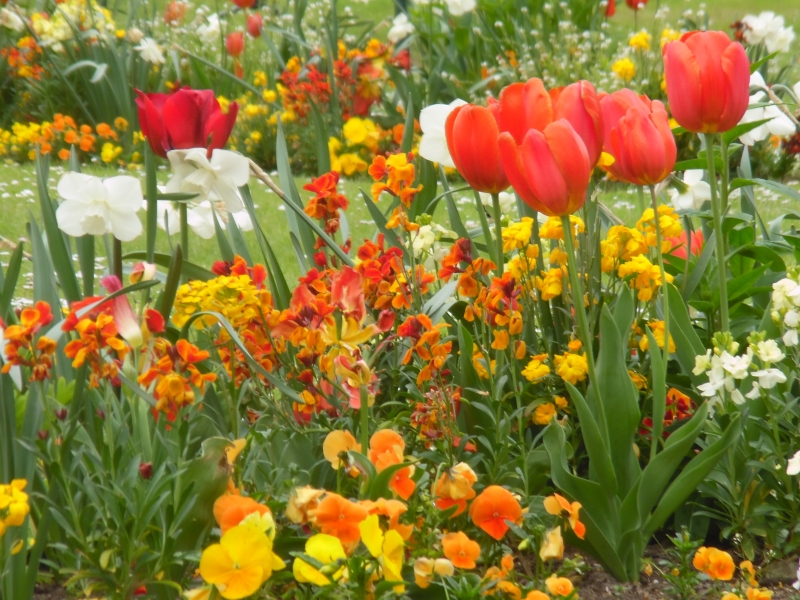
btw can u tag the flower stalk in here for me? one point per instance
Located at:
(719, 250)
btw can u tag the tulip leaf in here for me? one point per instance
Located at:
(738, 131)
(172, 283)
(757, 65)
(696, 276)
(321, 141)
(10, 281)
(380, 223)
(687, 343)
(659, 391)
(408, 128)
(364, 464)
(151, 197)
(780, 188)
(452, 211)
(237, 240)
(225, 250)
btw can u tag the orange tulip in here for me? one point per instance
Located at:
(550, 169)
(492, 508)
(471, 133)
(637, 134)
(230, 510)
(708, 81)
(461, 550)
(234, 43)
(526, 106)
(339, 517)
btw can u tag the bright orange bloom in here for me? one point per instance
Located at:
(492, 508)
(336, 443)
(386, 449)
(472, 140)
(708, 81)
(454, 487)
(461, 550)
(717, 564)
(230, 510)
(559, 586)
(557, 505)
(20, 348)
(392, 509)
(402, 484)
(234, 43)
(537, 595)
(339, 517)
(550, 169)
(637, 134)
(104, 131)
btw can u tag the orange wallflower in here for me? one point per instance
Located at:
(557, 505)
(492, 508)
(461, 550)
(339, 517)
(20, 348)
(230, 510)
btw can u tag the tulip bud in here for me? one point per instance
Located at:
(100, 414)
(254, 25)
(142, 271)
(43, 434)
(234, 44)
(135, 35)
(61, 414)
(146, 470)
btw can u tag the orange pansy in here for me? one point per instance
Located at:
(461, 550)
(230, 510)
(492, 508)
(339, 517)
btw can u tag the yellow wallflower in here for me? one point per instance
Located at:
(544, 413)
(479, 363)
(269, 96)
(517, 235)
(624, 69)
(351, 163)
(621, 244)
(110, 152)
(647, 276)
(571, 367)
(551, 285)
(357, 130)
(657, 327)
(668, 220)
(536, 369)
(639, 381)
(260, 79)
(552, 229)
(669, 35)
(640, 41)
(14, 505)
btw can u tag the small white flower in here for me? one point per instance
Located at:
(779, 124)
(209, 31)
(769, 378)
(737, 366)
(698, 191)
(508, 203)
(401, 28)
(424, 240)
(217, 180)
(793, 468)
(702, 363)
(754, 393)
(785, 294)
(769, 351)
(150, 51)
(11, 20)
(791, 318)
(433, 145)
(790, 338)
(460, 7)
(94, 206)
(737, 397)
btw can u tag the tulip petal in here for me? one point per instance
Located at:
(220, 125)
(150, 121)
(512, 164)
(707, 49)
(736, 67)
(572, 159)
(472, 140)
(684, 89)
(578, 104)
(545, 177)
(181, 116)
(124, 319)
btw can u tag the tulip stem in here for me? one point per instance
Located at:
(719, 250)
(660, 255)
(116, 268)
(183, 211)
(577, 302)
(498, 227)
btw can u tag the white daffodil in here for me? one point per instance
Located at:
(769, 351)
(401, 28)
(11, 20)
(696, 191)
(460, 7)
(150, 51)
(216, 180)
(779, 124)
(94, 206)
(433, 145)
(793, 468)
(769, 378)
(770, 29)
(209, 31)
(200, 219)
(508, 203)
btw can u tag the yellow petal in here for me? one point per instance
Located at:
(371, 534)
(215, 564)
(242, 583)
(236, 447)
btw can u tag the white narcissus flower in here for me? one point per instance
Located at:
(768, 28)
(11, 20)
(793, 468)
(209, 31)
(401, 28)
(508, 203)
(769, 378)
(217, 180)
(460, 7)
(94, 206)
(150, 51)
(697, 191)
(433, 145)
(769, 352)
(201, 220)
(779, 124)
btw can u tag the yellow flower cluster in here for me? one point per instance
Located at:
(657, 327)
(640, 41)
(235, 297)
(621, 244)
(518, 235)
(71, 14)
(624, 69)
(13, 505)
(668, 220)
(571, 367)
(647, 276)
(553, 230)
(669, 35)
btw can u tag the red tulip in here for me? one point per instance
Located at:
(550, 169)
(244, 3)
(472, 140)
(611, 8)
(174, 12)
(525, 106)
(708, 81)
(637, 134)
(679, 244)
(185, 119)
(254, 25)
(635, 4)
(234, 43)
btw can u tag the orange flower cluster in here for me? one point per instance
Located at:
(717, 564)
(461, 253)
(498, 306)
(327, 202)
(380, 268)
(434, 419)
(426, 344)
(23, 60)
(399, 173)
(97, 338)
(20, 348)
(679, 407)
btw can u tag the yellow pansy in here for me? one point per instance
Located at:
(240, 563)
(325, 549)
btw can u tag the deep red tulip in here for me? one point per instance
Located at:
(185, 119)
(525, 106)
(244, 3)
(635, 4)
(550, 169)
(636, 133)
(708, 81)
(254, 25)
(472, 140)
(234, 43)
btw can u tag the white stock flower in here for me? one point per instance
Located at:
(433, 145)
(150, 51)
(790, 338)
(508, 203)
(737, 366)
(209, 31)
(793, 468)
(785, 294)
(779, 124)
(94, 206)
(217, 180)
(11, 20)
(697, 191)
(769, 378)
(754, 393)
(401, 28)
(460, 7)
(702, 363)
(769, 351)
(424, 240)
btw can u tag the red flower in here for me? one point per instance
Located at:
(611, 8)
(472, 140)
(254, 25)
(244, 3)
(708, 81)
(234, 43)
(185, 119)
(636, 4)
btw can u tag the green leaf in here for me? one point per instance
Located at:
(225, 250)
(380, 223)
(757, 65)
(408, 129)
(741, 129)
(151, 194)
(696, 276)
(780, 188)
(321, 141)
(190, 270)
(363, 463)
(687, 343)
(237, 240)
(172, 283)
(659, 391)
(452, 210)
(739, 286)
(10, 281)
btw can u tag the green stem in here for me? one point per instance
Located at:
(117, 258)
(577, 303)
(719, 250)
(660, 255)
(723, 190)
(151, 189)
(183, 212)
(498, 227)
(364, 420)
